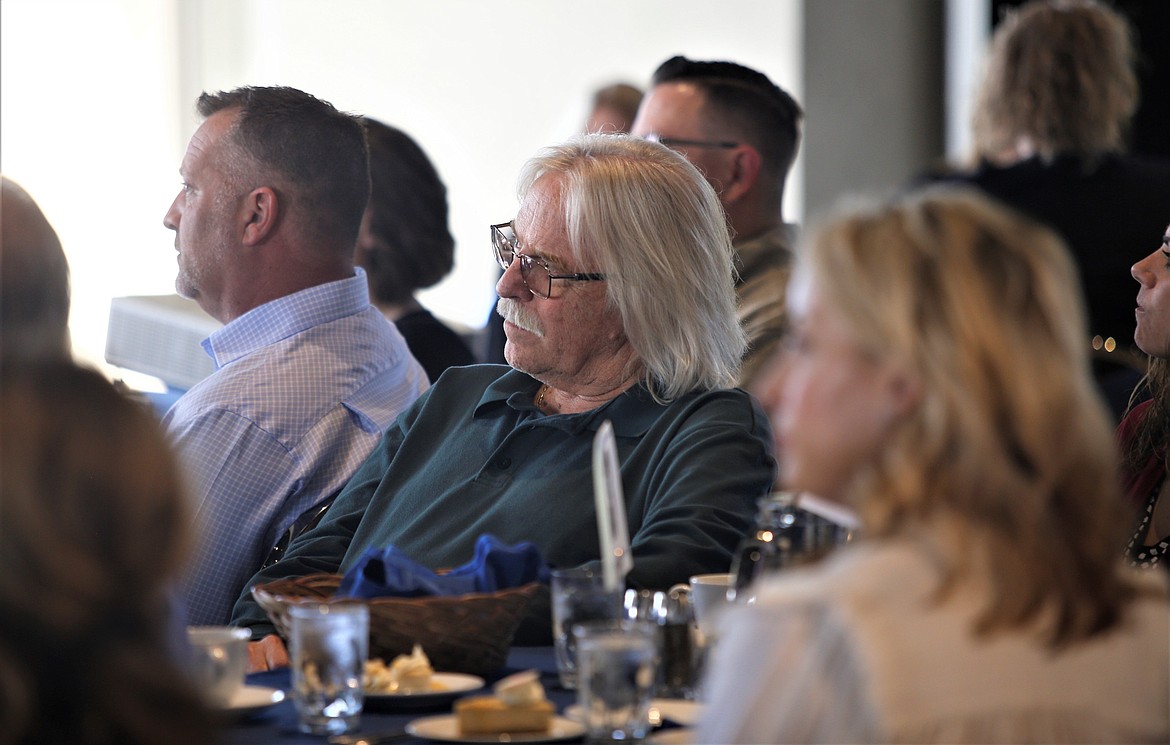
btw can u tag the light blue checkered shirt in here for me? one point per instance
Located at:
(303, 387)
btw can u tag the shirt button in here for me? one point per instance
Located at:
(503, 463)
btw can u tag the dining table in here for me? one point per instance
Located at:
(277, 724)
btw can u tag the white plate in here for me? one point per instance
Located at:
(251, 700)
(446, 729)
(676, 736)
(444, 687)
(679, 711)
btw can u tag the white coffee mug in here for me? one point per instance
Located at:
(219, 659)
(709, 596)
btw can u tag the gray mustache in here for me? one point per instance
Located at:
(513, 311)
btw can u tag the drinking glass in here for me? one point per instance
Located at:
(616, 667)
(578, 595)
(329, 649)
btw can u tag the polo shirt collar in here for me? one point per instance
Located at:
(632, 413)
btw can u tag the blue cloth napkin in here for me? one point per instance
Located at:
(387, 572)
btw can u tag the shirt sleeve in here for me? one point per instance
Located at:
(322, 548)
(239, 476)
(701, 495)
(787, 674)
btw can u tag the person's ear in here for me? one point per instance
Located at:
(260, 213)
(743, 173)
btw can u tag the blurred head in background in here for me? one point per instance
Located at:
(34, 281)
(404, 243)
(94, 532)
(613, 109)
(1059, 79)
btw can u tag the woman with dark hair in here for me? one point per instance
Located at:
(405, 245)
(1145, 432)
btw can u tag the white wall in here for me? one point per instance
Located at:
(97, 102)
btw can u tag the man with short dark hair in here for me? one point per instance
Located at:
(308, 373)
(742, 131)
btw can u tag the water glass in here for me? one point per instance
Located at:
(329, 648)
(578, 595)
(616, 670)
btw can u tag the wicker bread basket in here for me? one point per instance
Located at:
(464, 633)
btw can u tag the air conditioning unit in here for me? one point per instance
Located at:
(160, 335)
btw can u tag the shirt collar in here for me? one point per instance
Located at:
(288, 316)
(632, 412)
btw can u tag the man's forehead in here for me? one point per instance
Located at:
(675, 104)
(208, 135)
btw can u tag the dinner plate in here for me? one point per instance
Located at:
(446, 729)
(251, 700)
(676, 736)
(662, 710)
(445, 687)
(678, 710)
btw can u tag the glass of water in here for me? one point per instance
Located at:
(578, 595)
(329, 649)
(616, 664)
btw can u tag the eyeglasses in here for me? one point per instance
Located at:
(534, 271)
(675, 142)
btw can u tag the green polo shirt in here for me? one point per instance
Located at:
(474, 455)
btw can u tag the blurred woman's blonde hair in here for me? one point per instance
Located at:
(1009, 452)
(1060, 76)
(94, 531)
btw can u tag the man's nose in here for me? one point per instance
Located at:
(173, 215)
(511, 283)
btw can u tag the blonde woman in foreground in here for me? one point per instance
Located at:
(937, 382)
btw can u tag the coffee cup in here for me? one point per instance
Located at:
(709, 597)
(218, 660)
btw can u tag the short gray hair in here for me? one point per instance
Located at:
(658, 230)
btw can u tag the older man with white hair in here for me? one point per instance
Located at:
(619, 305)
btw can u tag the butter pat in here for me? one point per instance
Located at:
(410, 673)
(520, 689)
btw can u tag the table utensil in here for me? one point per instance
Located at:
(613, 532)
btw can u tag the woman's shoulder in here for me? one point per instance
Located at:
(887, 571)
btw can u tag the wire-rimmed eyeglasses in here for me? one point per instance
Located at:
(534, 271)
(677, 142)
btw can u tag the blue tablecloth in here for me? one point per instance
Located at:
(278, 724)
